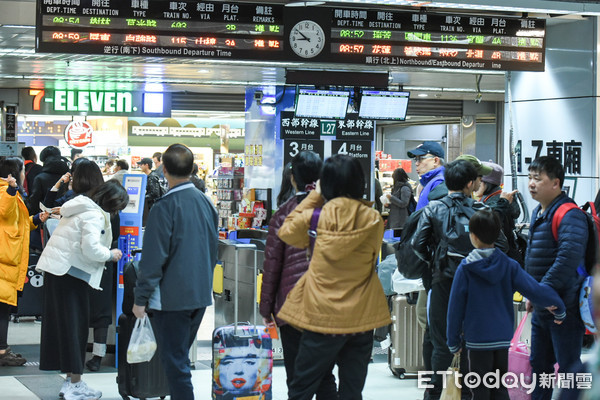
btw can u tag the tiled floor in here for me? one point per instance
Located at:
(29, 383)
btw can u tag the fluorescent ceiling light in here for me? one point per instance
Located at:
(18, 26)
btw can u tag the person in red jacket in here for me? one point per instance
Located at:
(284, 265)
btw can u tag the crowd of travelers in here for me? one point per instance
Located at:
(320, 285)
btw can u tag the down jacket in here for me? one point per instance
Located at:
(340, 293)
(15, 224)
(555, 263)
(283, 265)
(82, 240)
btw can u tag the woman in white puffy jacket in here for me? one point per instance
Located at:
(72, 260)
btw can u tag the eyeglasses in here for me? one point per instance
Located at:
(420, 159)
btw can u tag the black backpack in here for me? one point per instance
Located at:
(409, 264)
(412, 205)
(455, 244)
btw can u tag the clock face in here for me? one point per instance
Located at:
(307, 39)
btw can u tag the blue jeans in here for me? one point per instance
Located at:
(552, 343)
(175, 332)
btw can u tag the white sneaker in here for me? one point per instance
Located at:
(64, 387)
(81, 391)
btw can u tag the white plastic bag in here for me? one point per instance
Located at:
(142, 344)
(401, 285)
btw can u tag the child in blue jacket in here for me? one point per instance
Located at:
(481, 303)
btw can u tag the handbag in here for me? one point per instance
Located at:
(451, 391)
(518, 363)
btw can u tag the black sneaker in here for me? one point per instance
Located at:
(94, 363)
(11, 359)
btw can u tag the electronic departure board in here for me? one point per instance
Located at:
(273, 32)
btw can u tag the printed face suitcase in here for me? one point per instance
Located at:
(242, 354)
(406, 353)
(141, 380)
(242, 363)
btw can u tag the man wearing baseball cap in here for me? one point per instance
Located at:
(429, 162)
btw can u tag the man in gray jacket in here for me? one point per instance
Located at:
(175, 274)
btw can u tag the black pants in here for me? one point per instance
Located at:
(175, 333)
(65, 319)
(290, 339)
(482, 362)
(4, 318)
(316, 355)
(441, 357)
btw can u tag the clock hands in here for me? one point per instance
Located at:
(304, 37)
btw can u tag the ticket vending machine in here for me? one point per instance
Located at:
(130, 236)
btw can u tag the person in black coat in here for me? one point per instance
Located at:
(54, 168)
(196, 180)
(32, 168)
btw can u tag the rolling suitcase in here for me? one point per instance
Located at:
(31, 299)
(140, 380)
(242, 355)
(406, 353)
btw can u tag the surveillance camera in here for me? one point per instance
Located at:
(258, 96)
(478, 98)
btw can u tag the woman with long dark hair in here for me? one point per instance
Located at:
(287, 190)
(339, 301)
(73, 261)
(399, 201)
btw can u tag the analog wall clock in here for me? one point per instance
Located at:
(307, 39)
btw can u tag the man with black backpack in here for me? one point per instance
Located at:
(442, 240)
(554, 262)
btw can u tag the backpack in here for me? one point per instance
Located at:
(592, 252)
(455, 244)
(593, 222)
(409, 263)
(412, 205)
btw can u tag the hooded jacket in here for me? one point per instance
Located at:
(481, 302)
(340, 293)
(15, 224)
(81, 240)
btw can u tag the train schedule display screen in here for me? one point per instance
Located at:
(322, 103)
(379, 104)
(273, 32)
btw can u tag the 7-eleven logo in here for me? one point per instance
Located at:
(38, 95)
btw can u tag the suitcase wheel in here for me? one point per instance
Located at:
(398, 372)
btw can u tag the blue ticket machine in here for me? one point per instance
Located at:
(130, 236)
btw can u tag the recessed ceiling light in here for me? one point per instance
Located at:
(203, 71)
(423, 95)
